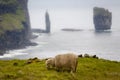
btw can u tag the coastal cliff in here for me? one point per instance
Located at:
(15, 28)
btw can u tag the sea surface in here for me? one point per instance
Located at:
(105, 45)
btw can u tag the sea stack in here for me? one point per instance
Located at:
(102, 19)
(47, 21)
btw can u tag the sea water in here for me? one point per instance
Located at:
(103, 44)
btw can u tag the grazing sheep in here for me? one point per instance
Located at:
(86, 55)
(32, 60)
(90, 56)
(66, 62)
(80, 55)
(50, 63)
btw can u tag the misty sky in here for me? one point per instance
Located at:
(73, 3)
(70, 13)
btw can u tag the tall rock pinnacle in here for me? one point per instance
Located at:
(47, 22)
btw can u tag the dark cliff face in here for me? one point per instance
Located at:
(8, 6)
(102, 19)
(24, 5)
(15, 28)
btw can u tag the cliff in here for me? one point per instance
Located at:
(102, 19)
(14, 24)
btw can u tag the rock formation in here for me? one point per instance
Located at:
(71, 29)
(47, 21)
(15, 28)
(102, 18)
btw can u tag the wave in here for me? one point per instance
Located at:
(12, 54)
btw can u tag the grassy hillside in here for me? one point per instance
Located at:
(88, 69)
(12, 21)
(11, 15)
(8, 2)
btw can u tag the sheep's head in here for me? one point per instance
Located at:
(50, 63)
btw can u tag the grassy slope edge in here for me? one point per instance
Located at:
(12, 21)
(88, 69)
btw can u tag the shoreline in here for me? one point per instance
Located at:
(41, 51)
(21, 46)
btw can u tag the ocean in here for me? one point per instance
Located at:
(105, 44)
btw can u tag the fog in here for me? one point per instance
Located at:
(72, 3)
(69, 13)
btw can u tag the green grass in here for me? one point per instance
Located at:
(88, 69)
(6, 2)
(12, 21)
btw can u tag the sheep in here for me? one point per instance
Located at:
(50, 63)
(90, 56)
(63, 62)
(66, 62)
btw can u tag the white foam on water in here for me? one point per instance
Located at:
(11, 54)
(19, 52)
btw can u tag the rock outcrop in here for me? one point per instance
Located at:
(71, 29)
(47, 21)
(102, 18)
(15, 28)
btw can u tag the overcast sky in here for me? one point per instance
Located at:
(70, 12)
(73, 3)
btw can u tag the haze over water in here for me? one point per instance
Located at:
(76, 14)
(70, 13)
